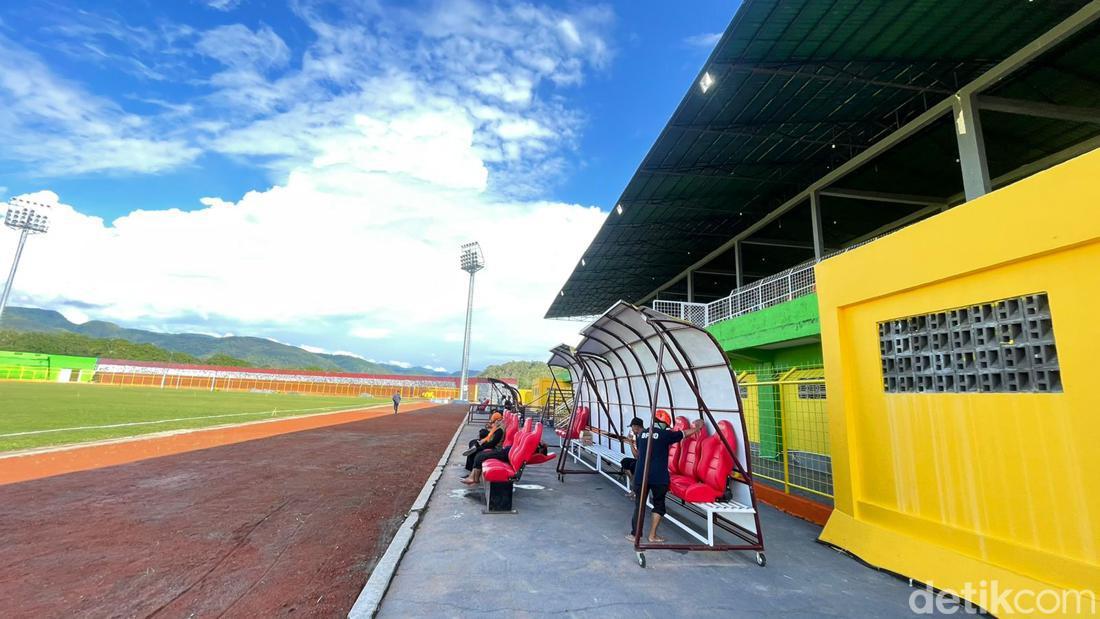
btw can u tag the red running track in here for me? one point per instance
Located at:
(289, 525)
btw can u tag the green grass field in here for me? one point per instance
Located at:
(45, 414)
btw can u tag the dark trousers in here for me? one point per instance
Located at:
(482, 433)
(491, 454)
(657, 494)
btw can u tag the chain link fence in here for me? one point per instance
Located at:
(785, 411)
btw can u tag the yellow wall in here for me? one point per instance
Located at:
(956, 488)
(750, 401)
(805, 423)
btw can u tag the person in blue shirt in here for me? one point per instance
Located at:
(661, 438)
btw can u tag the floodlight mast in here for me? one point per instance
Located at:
(471, 260)
(23, 215)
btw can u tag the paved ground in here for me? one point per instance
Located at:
(565, 554)
(289, 525)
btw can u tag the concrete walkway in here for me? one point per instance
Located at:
(565, 553)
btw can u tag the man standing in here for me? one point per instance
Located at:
(396, 401)
(661, 438)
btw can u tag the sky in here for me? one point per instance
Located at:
(305, 170)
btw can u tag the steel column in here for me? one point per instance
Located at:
(738, 268)
(968, 132)
(11, 274)
(815, 222)
(463, 388)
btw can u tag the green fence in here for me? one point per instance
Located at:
(31, 366)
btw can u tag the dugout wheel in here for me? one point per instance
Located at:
(761, 560)
(641, 559)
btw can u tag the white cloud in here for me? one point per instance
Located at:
(412, 153)
(434, 369)
(312, 349)
(222, 5)
(706, 39)
(238, 47)
(400, 364)
(370, 333)
(59, 128)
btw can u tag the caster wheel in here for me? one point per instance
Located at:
(761, 560)
(641, 558)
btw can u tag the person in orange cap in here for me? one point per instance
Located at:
(490, 438)
(661, 437)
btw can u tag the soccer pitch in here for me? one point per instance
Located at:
(46, 414)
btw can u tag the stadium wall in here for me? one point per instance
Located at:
(45, 367)
(223, 378)
(955, 488)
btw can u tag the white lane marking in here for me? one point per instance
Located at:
(145, 423)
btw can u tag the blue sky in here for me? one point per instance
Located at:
(304, 170)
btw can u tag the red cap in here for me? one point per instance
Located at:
(663, 416)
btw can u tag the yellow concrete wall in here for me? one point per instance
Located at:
(957, 488)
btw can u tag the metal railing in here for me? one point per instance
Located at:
(785, 413)
(797, 281)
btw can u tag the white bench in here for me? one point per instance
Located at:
(602, 452)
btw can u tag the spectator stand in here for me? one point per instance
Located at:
(649, 361)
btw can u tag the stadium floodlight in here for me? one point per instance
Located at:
(471, 260)
(28, 218)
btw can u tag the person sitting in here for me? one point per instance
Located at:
(626, 467)
(495, 454)
(490, 440)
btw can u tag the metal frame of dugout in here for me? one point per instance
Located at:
(501, 390)
(632, 361)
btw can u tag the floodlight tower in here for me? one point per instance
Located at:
(28, 218)
(471, 261)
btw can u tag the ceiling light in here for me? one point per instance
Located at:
(706, 82)
(583, 263)
(619, 209)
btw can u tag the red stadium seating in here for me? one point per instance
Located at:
(706, 481)
(580, 422)
(680, 425)
(501, 476)
(511, 427)
(518, 456)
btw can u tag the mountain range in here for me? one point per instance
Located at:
(255, 350)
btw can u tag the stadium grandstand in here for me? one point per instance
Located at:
(63, 368)
(877, 210)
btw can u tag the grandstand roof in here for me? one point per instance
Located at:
(803, 87)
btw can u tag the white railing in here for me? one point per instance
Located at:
(797, 281)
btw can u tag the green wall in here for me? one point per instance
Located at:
(792, 320)
(741, 339)
(37, 366)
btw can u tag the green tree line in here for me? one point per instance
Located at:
(526, 372)
(61, 343)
